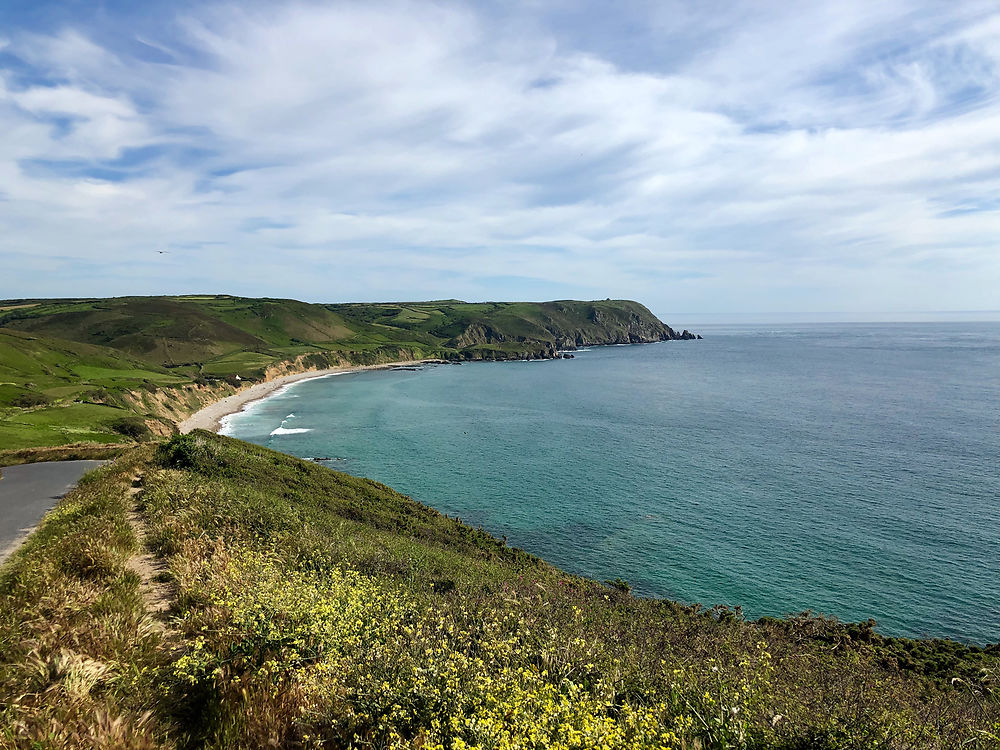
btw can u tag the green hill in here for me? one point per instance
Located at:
(55, 391)
(209, 332)
(170, 332)
(59, 368)
(210, 593)
(501, 330)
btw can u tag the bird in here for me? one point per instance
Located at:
(163, 252)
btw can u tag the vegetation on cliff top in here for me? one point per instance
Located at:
(218, 335)
(308, 608)
(84, 370)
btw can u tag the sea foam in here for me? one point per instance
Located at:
(289, 430)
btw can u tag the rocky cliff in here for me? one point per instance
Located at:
(541, 330)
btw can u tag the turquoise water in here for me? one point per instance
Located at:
(848, 469)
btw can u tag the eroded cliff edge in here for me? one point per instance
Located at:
(542, 330)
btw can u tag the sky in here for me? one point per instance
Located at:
(700, 156)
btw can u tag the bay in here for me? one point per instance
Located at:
(849, 469)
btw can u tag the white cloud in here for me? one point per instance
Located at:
(784, 157)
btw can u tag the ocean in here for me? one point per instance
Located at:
(848, 469)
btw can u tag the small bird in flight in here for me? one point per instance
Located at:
(163, 252)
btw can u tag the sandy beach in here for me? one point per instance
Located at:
(210, 418)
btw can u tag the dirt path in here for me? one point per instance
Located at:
(156, 592)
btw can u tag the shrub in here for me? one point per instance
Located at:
(97, 396)
(133, 427)
(620, 584)
(28, 400)
(180, 452)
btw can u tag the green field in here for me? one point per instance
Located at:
(59, 425)
(241, 363)
(46, 365)
(50, 389)
(281, 604)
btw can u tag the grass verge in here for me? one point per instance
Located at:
(73, 452)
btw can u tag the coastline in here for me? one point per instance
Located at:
(210, 417)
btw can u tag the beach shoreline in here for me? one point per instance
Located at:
(210, 417)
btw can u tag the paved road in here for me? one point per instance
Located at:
(29, 491)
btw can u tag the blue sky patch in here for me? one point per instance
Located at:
(843, 155)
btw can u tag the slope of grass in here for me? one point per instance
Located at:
(68, 452)
(78, 652)
(281, 322)
(156, 329)
(58, 368)
(225, 334)
(49, 389)
(309, 608)
(60, 425)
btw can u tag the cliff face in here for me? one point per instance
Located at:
(518, 330)
(169, 405)
(614, 323)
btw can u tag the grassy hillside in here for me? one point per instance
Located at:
(211, 593)
(171, 332)
(54, 391)
(509, 329)
(61, 369)
(71, 370)
(235, 335)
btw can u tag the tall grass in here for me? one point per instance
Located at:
(78, 653)
(315, 609)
